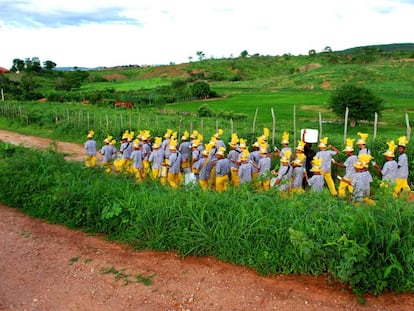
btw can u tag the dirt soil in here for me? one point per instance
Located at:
(49, 267)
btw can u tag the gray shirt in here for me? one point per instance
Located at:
(90, 147)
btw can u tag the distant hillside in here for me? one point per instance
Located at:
(389, 48)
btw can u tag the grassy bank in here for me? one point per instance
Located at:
(368, 247)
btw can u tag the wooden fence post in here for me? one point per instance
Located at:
(375, 124)
(407, 122)
(231, 127)
(346, 123)
(254, 120)
(294, 124)
(273, 126)
(320, 124)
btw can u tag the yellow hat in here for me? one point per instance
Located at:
(136, 143)
(219, 133)
(365, 158)
(125, 135)
(113, 142)
(362, 138)
(286, 157)
(358, 165)
(402, 141)
(144, 135)
(301, 145)
(349, 145)
(157, 143)
(221, 151)
(172, 145)
(391, 149)
(263, 149)
(108, 140)
(323, 142)
(301, 156)
(91, 133)
(131, 136)
(297, 162)
(185, 135)
(285, 138)
(194, 134)
(316, 164)
(195, 143)
(234, 140)
(168, 133)
(244, 155)
(242, 143)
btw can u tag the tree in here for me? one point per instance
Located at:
(244, 54)
(49, 65)
(361, 102)
(312, 52)
(200, 55)
(200, 90)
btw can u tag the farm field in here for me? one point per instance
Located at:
(74, 277)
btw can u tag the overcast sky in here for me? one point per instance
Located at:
(90, 33)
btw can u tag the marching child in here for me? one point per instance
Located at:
(402, 172)
(348, 165)
(316, 182)
(390, 167)
(326, 156)
(246, 168)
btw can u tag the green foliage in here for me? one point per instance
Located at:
(361, 102)
(368, 247)
(200, 90)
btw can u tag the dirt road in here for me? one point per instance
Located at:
(49, 267)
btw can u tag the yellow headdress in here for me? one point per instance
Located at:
(242, 143)
(221, 151)
(298, 161)
(131, 136)
(113, 142)
(359, 165)
(125, 135)
(219, 133)
(402, 141)
(301, 156)
(108, 140)
(244, 155)
(285, 138)
(362, 138)
(391, 149)
(323, 142)
(194, 134)
(195, 143)
(185, 135)
(172, 145)
(365, 158)
(349, 145)
(263, 149)
(286, 157)
(91, 133)
(301, 145)
(207, 149)
(174, 135)
(157, 142)
(136, 143)
(144, 135)
(168, 133)
(316, 164)
(234, 140)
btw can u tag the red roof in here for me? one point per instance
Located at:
(4, 70)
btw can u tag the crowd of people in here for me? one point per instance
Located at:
(214, 166)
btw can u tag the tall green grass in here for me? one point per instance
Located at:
(367, 247)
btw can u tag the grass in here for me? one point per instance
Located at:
(370, 248)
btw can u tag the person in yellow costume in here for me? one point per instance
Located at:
(362, 144)
(174, 164)
(156, 158)
(91, 149)
(233, 157)
(326, 156)
(222, 166)
(345, 183)
(401, 183)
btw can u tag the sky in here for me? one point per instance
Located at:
(92, 33)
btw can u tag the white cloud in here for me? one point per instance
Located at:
(107, 32)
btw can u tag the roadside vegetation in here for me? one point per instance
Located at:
(314, 234)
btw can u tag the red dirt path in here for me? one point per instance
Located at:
(49, 267)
